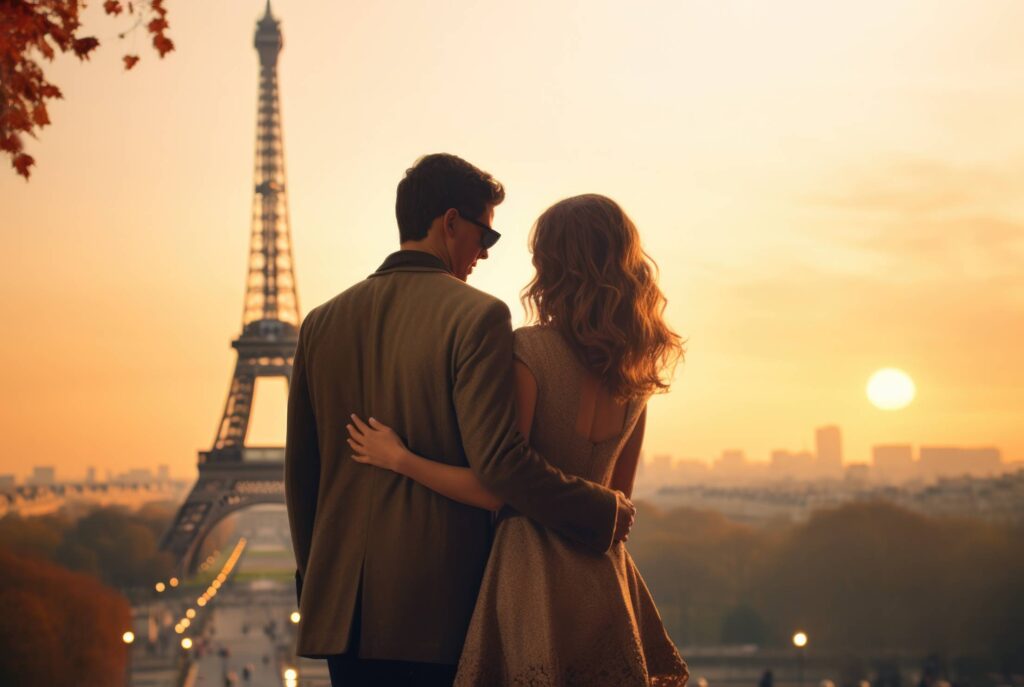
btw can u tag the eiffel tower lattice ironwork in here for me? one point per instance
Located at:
(233, 476)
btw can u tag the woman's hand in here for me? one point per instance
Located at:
(376, 444)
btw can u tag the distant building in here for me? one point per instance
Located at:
(731, 461)
(732, 467)
(893, 463)
(952, 461)
(163, 473)
(136, 476)
(658, 472)
(829, 449)
(43, 475)
(791, 464)
(7, 482)
(90, 475)
(857, 473)
(689, 471)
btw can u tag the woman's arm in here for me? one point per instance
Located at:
(377, 444)
(625, 466)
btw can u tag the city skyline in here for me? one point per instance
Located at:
(886, 461)
(795, 225)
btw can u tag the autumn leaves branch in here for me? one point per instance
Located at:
(33, 28)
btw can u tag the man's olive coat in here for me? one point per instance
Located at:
(387, 568)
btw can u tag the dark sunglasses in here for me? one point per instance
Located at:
(488, 237)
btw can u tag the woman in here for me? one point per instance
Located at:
(548, 612)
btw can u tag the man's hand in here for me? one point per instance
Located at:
(624, 516)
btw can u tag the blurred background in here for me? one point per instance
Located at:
(831, 493)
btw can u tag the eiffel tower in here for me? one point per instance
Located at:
(233, 476)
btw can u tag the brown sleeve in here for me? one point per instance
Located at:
(504, 462)
(301, 459)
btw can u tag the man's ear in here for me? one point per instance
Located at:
(448, 222)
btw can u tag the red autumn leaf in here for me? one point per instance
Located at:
(16, 118)
(83, 46)
(11, 144)
(22, 162)
(157, 25)
(40, 116)
(44, 47)
(163, 44)
(112, 7)
(130, 61)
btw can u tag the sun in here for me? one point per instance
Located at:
(891, 389)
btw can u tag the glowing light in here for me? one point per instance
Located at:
(291, 674)
(179, 629)
(800, 640)
(190, 613)
(296, 617)
(128, 637)
(159, 587)
(891, 389)
(201, 601)
(186, 643)
(174, 581)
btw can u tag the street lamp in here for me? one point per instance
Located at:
(128, 637)
(800, 642)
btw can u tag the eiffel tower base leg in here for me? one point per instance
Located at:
(222, 489)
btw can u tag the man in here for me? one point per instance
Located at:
(388, 570)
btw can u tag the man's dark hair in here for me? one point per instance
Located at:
(437, 183)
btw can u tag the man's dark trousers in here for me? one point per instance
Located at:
(348, 671)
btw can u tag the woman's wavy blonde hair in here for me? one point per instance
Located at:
(598, 288)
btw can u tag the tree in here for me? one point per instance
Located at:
(58, 627)
(111, 543)
(35, 29)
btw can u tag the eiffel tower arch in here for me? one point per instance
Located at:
(233, 476)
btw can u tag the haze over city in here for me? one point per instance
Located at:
(828, 192)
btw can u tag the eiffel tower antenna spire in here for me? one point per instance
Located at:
(270, 289)
(232, 475)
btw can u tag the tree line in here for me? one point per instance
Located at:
(864, 579)
(62, 613)
(117, 546)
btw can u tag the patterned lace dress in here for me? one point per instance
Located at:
(550, 613)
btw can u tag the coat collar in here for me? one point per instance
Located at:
(412, 261)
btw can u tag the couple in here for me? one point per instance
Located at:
(415, 413)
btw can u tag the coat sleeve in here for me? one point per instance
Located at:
(498, 454)
(301, 462)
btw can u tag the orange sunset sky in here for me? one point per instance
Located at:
(828, 188)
